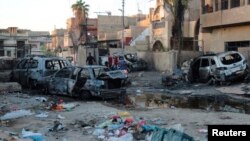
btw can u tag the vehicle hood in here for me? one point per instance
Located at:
(117, 74)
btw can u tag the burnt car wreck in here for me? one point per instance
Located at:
(221, 67)
(85, 82)
(29, 71)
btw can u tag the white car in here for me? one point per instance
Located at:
(226, 66)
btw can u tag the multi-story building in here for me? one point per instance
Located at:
(17, 43)
(161, 38)
(39, 41)
(108, 26)
(226, 25)
(57, 39)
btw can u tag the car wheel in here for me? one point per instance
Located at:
(85, 95)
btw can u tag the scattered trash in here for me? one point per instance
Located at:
(57, 126)
(16, 114)
(42, 115)
(225, 117)
(203, 130)
(32, 135)
(138, 91)
(123, 127)
(60, 117)
(41, 99)
(69, 106)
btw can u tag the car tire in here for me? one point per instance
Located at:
(85, 95)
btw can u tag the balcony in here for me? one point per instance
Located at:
(228, 17)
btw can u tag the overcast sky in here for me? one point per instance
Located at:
(44, 15)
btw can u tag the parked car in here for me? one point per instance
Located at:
(30, 70)
(85, 82)
(133, 62)
(226, 66)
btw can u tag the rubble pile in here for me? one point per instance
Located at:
(124, 127)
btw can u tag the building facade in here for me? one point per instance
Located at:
(162, 22)
(18, 43)
(226, 25)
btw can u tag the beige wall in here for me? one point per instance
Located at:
(161, 61)
(215, 40)
(111, 25)
(231, 16)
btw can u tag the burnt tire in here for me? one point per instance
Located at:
(84, 95)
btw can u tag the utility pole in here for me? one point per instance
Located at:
(123, 25)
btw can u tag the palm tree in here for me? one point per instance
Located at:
(177, 9)
(80, 10)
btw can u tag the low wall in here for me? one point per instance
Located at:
(187, 55)
(161, 61)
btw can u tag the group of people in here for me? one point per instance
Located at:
(114, 62)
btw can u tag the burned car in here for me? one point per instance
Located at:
(226, 66)
(30, 70)
(85, 82)
(133, 62)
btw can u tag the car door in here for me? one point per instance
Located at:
(16, 72)
(93, 84)
(59, 82)
(204, 69)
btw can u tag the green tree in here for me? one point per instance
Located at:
(177, 9)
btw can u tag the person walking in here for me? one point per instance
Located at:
(90, 59)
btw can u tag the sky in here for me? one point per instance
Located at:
(45, 15)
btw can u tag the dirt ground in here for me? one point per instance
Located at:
(193, 121)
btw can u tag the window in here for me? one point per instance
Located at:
(212, 62)
(216, 5)
(9, 53)
(52, 65)
(231, 58)
(20, 65)
(64, 73)
(248, 1)
(224, 4)
(235, 3)
(85, 74)
(204, 63)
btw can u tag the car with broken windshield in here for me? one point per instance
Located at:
(85, 82)
(30, 70)
(226, 66)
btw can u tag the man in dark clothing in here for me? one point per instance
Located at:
(90, 59)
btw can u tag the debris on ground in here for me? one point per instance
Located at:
(16, 114)
(31, 135)
(124, 127)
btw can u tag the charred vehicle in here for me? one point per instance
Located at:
(85, 82)
(226, 66)
(30, 70)
(133, 62)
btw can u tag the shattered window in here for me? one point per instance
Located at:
(231, 58)
(20, 65)
(30, 64)
(52, 65)
(64, 73)
(204, 63)
(212, 62)
(85, 74)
